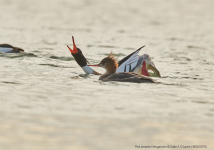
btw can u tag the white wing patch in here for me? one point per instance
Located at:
(88, 69)
(5, 50)
(129, 64)
(127, 68)
(133, 64)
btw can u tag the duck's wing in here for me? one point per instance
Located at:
(7, 48)
(129, 77)
(128, 63)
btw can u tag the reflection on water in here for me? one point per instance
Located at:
(47, 102)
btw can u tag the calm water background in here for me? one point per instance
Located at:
(48, 103)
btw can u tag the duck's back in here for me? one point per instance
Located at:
(7, 48)
(127, 77)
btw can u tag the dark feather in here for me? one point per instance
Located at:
(126, 77)
(15, 49)
(127, 57)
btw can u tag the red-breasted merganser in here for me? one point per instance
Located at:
(131, 63)
(110, 64)
(6, 48)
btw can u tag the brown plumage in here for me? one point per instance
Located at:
(110, 64)
(126, 77)
(15, 49)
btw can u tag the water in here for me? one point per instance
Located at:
(47, 102)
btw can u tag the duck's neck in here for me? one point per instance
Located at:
(109, 71)
(89, 70)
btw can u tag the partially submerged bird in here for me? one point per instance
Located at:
(138, 65)
(7, 48)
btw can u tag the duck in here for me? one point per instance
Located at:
(110, 64)
(7, 48)
(142, 65)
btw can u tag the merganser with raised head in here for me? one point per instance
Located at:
(7, 48)
(131, 63)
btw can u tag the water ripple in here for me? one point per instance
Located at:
(9, 82)
(62, 58)
(17, 55)
(53, 65)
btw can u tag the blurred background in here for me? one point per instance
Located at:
(48, 103)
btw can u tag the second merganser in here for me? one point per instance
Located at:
(81, 60)
(7, 48)
(131, 63)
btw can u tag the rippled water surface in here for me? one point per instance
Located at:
(48, 103)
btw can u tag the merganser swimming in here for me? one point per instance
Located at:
(131, 63)
(6, 48)
(110, 64)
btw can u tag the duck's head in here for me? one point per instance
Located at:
(148, 67)
(78, 55)
(109, 63)
(17, 50)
